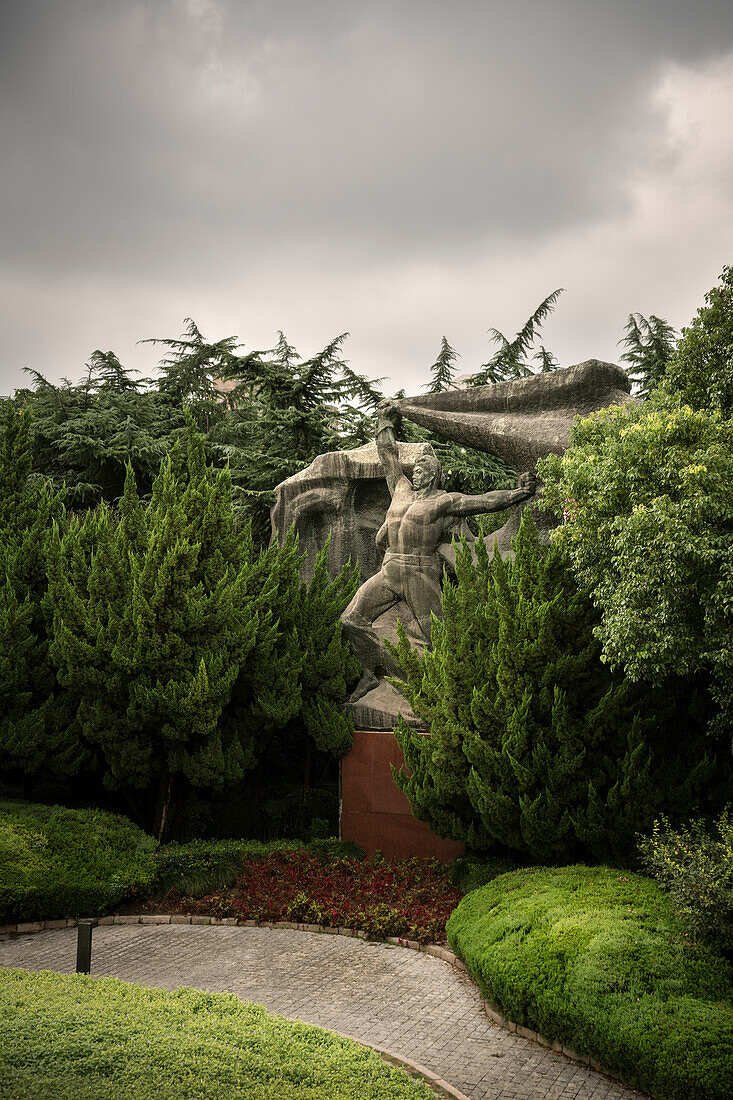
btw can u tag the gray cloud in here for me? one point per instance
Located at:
(264, 165)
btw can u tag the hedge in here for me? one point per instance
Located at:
(56, 862)
(595, 958)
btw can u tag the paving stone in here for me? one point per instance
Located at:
(408, 1002)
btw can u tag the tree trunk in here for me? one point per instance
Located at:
(164, 802)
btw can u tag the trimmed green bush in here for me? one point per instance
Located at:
(56, 862)
(71, 1037)
(331, 847)
(201, 866)
(595, 957)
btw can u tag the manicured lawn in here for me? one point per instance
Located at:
(411, 897)
(595, 957)
(68, 1038)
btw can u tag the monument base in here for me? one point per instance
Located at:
(380, 709)
(375, 814)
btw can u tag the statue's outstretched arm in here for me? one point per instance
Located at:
(464, 505)
(387, 445)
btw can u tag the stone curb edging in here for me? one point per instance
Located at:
(436, 1083)
(434, 949)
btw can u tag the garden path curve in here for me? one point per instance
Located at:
(416, 1006)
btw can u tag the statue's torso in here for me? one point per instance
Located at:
(414, 524)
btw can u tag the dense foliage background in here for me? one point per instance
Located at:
(160, 657)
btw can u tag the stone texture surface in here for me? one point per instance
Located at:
(521, 421)
(344, 494)
(380, 708)
(525, 420)
(411, 1004)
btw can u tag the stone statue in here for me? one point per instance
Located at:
(415, 538)
(342, 498)
(344, 495)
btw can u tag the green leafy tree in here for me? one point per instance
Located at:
(701, 369)
(646, 491)
(294, 704)
(285, 412)
(534, 745)
(650, 344)
(192, 373)
(84, 436)
(329, 667)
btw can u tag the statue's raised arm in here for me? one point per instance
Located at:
(387, 445)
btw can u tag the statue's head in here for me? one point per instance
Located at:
(427, 472)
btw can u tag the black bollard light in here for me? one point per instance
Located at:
(84, 946)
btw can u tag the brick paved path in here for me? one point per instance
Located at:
(413, 1005)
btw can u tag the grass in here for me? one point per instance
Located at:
(595, 957)
(77, 1038)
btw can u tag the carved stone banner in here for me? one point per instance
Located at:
(525, 420)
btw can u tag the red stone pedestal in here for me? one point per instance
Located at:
(374, 812)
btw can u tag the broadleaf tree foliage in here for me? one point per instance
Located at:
(701, 368)
(647, 494)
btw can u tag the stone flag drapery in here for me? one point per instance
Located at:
(520, 421)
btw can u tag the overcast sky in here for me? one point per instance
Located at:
(398, 170)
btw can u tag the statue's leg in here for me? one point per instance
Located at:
(373, 598)
(422, 591)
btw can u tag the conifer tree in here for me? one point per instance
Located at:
(509, 361)
(35, 738)
(650, 344)
(329, 667)
(291, 699)
(535, 746)
(285, 411)
(189, 654)
(150, 637)
(84, 436)
(442, 370)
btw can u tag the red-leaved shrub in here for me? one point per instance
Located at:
(410, 897)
